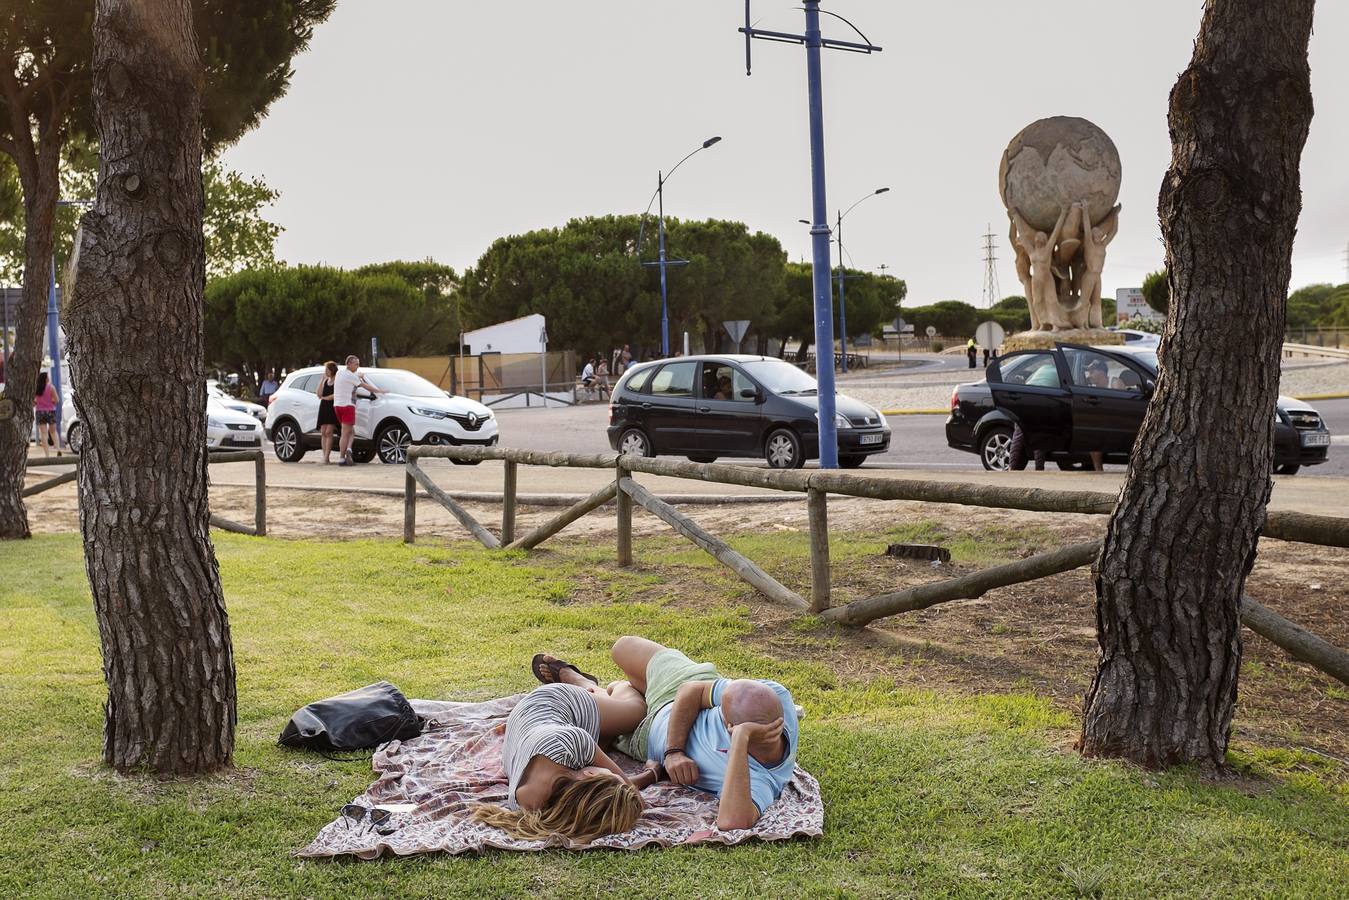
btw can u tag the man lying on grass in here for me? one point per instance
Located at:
(733, 738)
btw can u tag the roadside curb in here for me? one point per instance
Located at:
(915, 412)
(1309, 397)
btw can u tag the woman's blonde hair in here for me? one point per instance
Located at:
(330, 367)
(583, 810)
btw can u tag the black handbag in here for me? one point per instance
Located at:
(357, 720)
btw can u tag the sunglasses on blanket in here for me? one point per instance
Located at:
(355, 814)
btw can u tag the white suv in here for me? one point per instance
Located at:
(412, 411)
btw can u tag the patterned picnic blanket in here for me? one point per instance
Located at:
(456, 763)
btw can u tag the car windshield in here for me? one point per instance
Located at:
(782, 378)
(404, 383)
(1148, 359)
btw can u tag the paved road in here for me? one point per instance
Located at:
(917, 442)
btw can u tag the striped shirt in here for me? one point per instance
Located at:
(557, 721)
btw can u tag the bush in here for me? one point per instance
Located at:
(1151, 326)
(938, 346)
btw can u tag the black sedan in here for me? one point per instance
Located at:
(1073, 399)
(705, 407)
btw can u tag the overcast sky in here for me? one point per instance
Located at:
(427, 128)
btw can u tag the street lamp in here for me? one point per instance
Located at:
(662, 263)
(842, 302)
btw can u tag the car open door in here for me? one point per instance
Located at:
(1031, 386)
(1110, 398)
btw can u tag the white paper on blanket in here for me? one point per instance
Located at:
(435, 780)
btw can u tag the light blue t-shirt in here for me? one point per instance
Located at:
(709, 742)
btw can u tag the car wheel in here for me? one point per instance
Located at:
(851, 462)
(1074, 465)
(1289, 469)
(783, 450)
(287, 442)
(362, 456)
(995, 450)
(75, 438)
(702, 459)
(634, 443)
(392, 444)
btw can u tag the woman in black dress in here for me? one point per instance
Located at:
(327, 415)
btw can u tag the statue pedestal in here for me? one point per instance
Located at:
(1045, 340)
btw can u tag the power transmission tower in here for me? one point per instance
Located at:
(991, 292)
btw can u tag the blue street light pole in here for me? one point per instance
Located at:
(664, 262)
(842, 280)
(819, 230)
(819, 235)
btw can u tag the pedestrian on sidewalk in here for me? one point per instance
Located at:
(972, 351)
(602, 378)
(44, 413)
(268, 388)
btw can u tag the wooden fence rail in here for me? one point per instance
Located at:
(817, 486)
(259, 527)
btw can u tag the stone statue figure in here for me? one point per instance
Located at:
(1023, 274)
(1094, 241)
(1062, 172)
(1043, 298)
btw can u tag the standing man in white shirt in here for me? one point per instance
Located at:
(344, 404)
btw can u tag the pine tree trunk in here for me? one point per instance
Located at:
(135, 326)
(39, 176)
(1183, 538)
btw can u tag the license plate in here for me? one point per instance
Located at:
(1316, 440)
(872, 438)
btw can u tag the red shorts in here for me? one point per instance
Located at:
(346, 415)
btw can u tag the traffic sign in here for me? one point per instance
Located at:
(989, 335)
(736, 328)
(931, 330)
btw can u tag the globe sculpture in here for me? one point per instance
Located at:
(1059, 179)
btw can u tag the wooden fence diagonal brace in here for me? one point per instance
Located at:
(736, 562)
(50, 483)
(561, 521)
(967, 587)
(485, 537)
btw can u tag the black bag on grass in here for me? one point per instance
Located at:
(357, 720)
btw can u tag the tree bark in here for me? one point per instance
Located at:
(38, 162)
(134, 322)
(1183, 538)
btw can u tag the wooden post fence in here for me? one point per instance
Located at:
(817, 486)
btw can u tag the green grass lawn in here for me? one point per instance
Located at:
(926, 794)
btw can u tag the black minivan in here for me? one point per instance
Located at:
(705, 407)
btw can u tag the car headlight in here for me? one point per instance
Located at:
(213, 422)
(840, 421)
(428, 413)
(884, 422)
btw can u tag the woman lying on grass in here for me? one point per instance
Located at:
(561, 782)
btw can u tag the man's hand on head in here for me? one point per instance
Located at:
(760, 732)
(680, 768)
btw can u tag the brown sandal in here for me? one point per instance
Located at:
(548, 669)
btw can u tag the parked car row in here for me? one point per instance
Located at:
(1073, 400)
